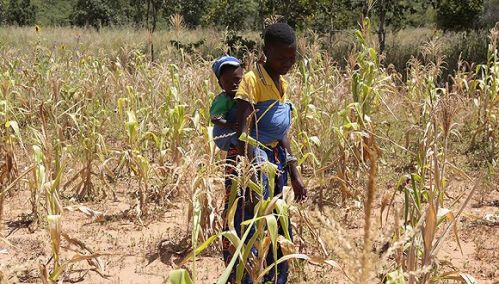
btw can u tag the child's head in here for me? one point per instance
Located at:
(280, 47)
(229, 73)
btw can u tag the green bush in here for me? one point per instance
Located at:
(457, 14)
(490, 15)
(22, 13)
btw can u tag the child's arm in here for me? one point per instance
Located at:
(220, 121)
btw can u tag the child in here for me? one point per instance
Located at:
(223, 109)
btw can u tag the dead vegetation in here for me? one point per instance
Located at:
(382, 157)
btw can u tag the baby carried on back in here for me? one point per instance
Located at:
(272, 117)
(272, 121)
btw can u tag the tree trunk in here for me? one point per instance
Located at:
(381, 29)
(365, 9)
(153, 28)
(261, 24)
(151, 13)
(147, 13)
(331, 28)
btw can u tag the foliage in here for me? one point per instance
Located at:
(20, 12)
(54, 12)
(318, 15)
(2, 12)
(147, 14)
(192, 11)
(238, 45)
(231, 14)
(490, 15)
(93, 13)
(456, 14)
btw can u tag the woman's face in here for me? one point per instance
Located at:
(230, 79)
(281, 57)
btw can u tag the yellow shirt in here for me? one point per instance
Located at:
(257, 86)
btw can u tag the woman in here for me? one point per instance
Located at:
(263, 112)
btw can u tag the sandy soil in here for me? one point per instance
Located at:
(146, 253)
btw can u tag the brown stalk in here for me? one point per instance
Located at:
(7, 173)
(368, 205)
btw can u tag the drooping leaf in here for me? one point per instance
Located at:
(180, 276)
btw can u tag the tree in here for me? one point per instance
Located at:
(490, 14)
(121, 11)
(12, 12)
(138, 11)
(152, 11)
(22, 14)
(324, 16)
(28, 11)
(457, 14)
(295, 12)
(95, 13)
(392, 13)
(148, 13)
(234, 14)
(2, 12)
(333, 15)
(193, 11)
(54, 12)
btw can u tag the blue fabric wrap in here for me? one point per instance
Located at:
(274, 121)
(226, 143)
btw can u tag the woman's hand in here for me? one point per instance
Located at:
(297, 183)
(299, 189)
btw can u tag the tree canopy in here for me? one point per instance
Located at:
(317, 15)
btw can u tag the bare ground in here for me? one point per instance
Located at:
(137, 253)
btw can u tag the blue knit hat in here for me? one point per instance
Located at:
(222, 61)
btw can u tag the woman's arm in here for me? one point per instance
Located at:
(296, 180)
(244, 123)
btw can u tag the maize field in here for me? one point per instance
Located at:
(109, 172)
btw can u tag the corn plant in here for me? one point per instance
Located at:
(114, 115)
(356, 132)
(133, 157)
(424, 212)
(368, 83)
(174, 117)
(487, 86)
(9, 136)
(309, 143)
(269, 214)
(48, 177)
(93, 148)
(51, 190)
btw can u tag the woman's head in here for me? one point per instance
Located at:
(280, 47)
